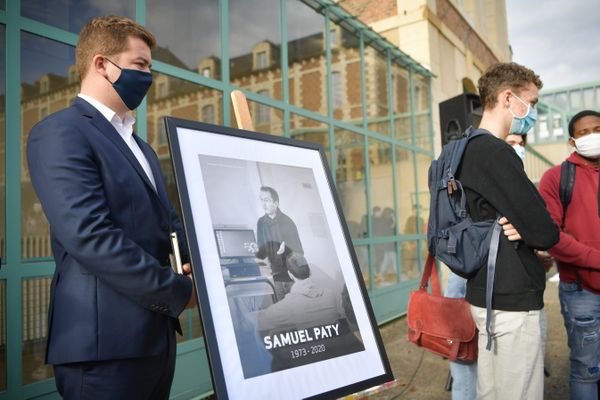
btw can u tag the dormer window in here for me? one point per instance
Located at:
(44, 85)
(333, 37)
(162, 90)
(261, 60)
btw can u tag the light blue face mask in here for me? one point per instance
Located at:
(520, 150)
(522, 125)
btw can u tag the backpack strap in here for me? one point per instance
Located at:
(567, 183)
(491, 271)
(460, 145)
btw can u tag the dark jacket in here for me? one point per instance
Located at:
(270, 233)
(113, 294)
(495, 182)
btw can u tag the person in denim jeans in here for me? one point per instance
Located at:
(464, 375)
(578, 253)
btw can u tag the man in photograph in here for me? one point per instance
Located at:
(277, 236)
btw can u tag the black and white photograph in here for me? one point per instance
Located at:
(280, 294)
(288, 301)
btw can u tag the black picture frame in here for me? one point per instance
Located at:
(220, 174)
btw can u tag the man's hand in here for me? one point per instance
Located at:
(187, 270)
(252, 247)
(509, 230)
(281, 249)
(546, 259)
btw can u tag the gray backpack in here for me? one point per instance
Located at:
(452, 237)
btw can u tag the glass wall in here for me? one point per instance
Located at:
(72, 15)
(48, 84)
(310, 73)
(36, 297)
(306, 57)
(188, 35)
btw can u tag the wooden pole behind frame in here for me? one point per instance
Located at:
(241, 111)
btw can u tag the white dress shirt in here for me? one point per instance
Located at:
(125, 129)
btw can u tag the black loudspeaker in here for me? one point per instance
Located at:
(457, 114)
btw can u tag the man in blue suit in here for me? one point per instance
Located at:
(114, 298)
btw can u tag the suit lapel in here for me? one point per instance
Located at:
(109, 131)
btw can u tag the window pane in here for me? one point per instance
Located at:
(422, 134)
(310, 130)
(407, 212)
(2, 147)
(362, 255)
(421, 198)
(190, 325)
(46, 87)
(560, 101)
(186, 100)
(347, 91)
(2, 335)
(35, 300)
(72, 15)
(266, 119)
(576, 100)
(588, 99)
(385, 259)
(350, 180)
(383, 220)
(255, 57)
(306, 57)
(188, 34)
(377, 91)
(401, 103)
(182, 99)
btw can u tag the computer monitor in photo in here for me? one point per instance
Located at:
(233, 243)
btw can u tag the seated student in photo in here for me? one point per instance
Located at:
(309, 324)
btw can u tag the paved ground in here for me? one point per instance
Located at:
(422, 375)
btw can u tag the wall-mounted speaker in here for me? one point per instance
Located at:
(457, 114)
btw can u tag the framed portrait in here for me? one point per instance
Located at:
(283, 305)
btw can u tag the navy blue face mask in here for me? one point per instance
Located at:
(132, 85)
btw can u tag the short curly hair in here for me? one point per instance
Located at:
(107, 35)
(503, 76)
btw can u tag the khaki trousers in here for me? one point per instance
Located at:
(514, 368)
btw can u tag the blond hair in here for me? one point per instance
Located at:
(503, 76)
(107, 35)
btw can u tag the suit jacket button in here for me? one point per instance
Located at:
(164, 227)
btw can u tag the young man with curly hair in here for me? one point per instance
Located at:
(496, 184)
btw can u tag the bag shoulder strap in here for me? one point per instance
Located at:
(567, 183)
(430, 272)
(491, 271)
(460, 145)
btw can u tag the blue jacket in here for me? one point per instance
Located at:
(113, 294)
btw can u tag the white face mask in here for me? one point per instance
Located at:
(588, 145)
(520, 150)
